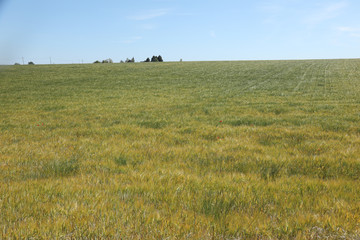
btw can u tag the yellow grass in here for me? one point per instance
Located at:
(202, 150)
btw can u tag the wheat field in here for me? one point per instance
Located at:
(188, 150)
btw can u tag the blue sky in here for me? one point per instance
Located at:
(74, 31)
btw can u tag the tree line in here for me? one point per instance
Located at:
(109, 60)
(132, 60)
(155, 59)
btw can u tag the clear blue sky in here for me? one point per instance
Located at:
(72, 31)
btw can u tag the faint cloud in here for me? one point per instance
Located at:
(348, 29)
(185, 14)
(272, 11)
(148, 26)
(132, 40)
(327, 12)
(149, 14)
(271, 8)
(212, 34)
(351, 31)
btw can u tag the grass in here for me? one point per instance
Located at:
(190, 150)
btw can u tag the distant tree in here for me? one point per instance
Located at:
(121, 61)
(180, 59)
(154, 59)
(109, 60)
(130, 60)
(160, 58)
(147, 60)
(17, 64)
(31, 63)
(97, 61)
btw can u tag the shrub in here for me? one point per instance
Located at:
(58, 168)
(121, 161)
(270, 170)
(109, 60)
(130, 60)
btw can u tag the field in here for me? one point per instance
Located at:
(190, 150)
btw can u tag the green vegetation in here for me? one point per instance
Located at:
(187, 150)
(155, 59)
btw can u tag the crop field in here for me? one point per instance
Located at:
(187, 150)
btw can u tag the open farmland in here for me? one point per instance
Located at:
(191, 150)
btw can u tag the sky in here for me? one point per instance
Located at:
(79, 31)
